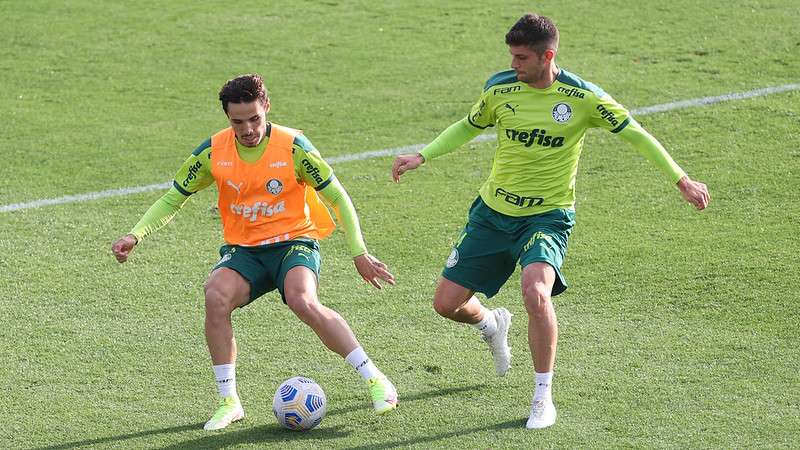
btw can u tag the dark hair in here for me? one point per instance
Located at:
(535, 32)
(243, 89)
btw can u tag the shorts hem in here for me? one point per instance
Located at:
(560, 285)
(468, 285)
(246, 278)
(282, 279)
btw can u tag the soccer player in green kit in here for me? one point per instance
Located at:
(525, 210)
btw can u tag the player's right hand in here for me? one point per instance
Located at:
(122, 248)
(404, 163)
(694, 192)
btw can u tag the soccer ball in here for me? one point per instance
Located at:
(299, 404)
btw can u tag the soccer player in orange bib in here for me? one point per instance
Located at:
(270, 179)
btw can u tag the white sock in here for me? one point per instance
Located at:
(225, 374)
(488, 324)
(360, 361)
(544, 382)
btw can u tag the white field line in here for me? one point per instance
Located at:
(694, 102)
(716, 99)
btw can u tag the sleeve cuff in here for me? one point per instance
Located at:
(622, 125)
(180, 189)
(469, 119)
(325, 183)
(359, 253)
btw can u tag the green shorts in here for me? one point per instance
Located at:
(488, 249)
(265, 267)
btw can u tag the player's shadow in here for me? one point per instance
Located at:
(415, 397)
(403, 443)
(124, 437)
(257, 435)
(269, 434)
(262, 434)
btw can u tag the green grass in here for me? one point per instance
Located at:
(679, 328)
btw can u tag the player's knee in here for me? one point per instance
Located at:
(537, 300)
(443, 307)
(303, 304)
(219, 301)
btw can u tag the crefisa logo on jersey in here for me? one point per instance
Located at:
(535, 136)
(572, 92)
(274, 186)
(313, 171)
(193, 169)
(562, 112)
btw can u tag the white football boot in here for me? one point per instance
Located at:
(543, 414)
(498, 342)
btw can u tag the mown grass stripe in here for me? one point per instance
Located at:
(663, 107)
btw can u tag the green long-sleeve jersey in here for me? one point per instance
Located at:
(540, 135)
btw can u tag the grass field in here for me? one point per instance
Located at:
(679, 330)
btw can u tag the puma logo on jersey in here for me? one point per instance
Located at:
(535, 136)
(512, 108)
(236, 187)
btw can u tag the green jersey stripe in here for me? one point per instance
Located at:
(180, 189)
(504, 77)
(201, 147)
(622, 125)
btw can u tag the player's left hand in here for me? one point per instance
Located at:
(371, 269)
(404, 163)
(694, 192)
(123, 247)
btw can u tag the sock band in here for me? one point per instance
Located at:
(359, 360)
(544, 383)
(488, 324)
(225, 375)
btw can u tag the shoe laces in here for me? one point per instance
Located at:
(489, 338)
(378, 389)
(224, 407)
(537, 408)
